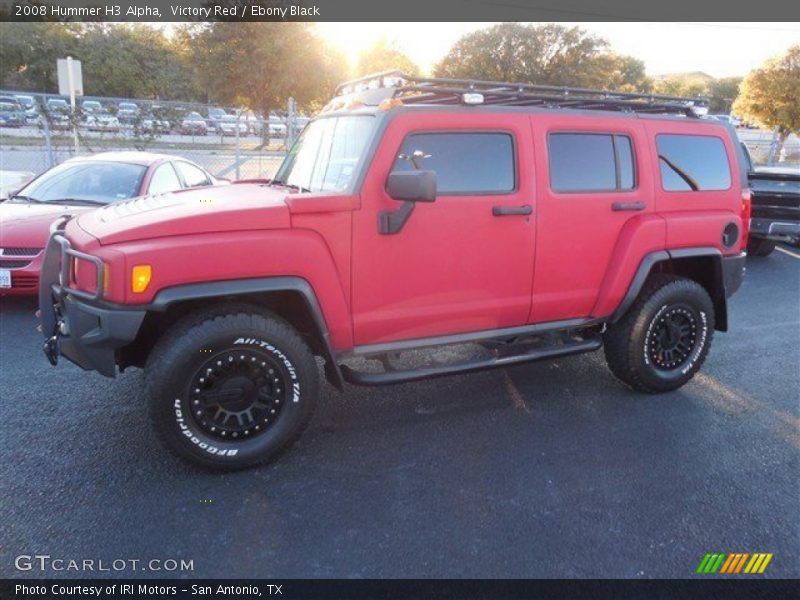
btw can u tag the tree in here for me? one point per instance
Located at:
(543, 54)
(260, 65)
(131, 60)
(770, 96)
(30, 51)
(384, 56)
(722, 93)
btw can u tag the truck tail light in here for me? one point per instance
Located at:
(747, 207)
(140, 278)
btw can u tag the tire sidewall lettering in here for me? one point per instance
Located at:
(700, 343)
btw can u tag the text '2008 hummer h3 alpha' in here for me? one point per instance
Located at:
(532, 222)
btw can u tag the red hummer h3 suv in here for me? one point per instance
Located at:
(531, 221)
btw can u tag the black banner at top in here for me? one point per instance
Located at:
(400, 10)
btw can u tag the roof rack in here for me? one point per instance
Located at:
(440, 91)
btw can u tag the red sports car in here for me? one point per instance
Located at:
(74, 186)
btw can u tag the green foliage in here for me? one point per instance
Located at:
(383, 56)
(549, 54)
(260, 65)
(770, 95)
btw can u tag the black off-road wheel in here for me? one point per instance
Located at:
(663, 339)
(230, 388)
(760, 247)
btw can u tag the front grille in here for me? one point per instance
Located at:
(24, 282)
(14, 264)
(20, 251)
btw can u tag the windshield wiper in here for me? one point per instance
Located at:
(27, 199)
(299, 188)
(680, 173)
(85, 201)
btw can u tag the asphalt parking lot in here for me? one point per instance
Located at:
(547, 470)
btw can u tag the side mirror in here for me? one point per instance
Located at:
(412, 186)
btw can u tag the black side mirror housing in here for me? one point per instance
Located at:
(412, 186)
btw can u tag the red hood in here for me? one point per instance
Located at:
(27, 225)
(240, 207)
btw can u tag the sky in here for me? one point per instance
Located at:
(718, 49)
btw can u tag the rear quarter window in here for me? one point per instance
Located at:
(693, 163)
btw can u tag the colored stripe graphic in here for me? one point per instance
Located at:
(731, 563)
(701, 567)
(764, 564)
(741, 562)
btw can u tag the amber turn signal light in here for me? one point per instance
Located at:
(140, 278)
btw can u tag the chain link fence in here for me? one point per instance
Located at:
(227, 141)
(41, 130)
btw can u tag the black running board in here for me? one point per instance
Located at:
(492, 362)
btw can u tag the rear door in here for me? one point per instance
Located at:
(593, 182)
(464, 262)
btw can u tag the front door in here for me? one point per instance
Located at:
(464, 262)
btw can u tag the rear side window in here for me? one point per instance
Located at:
(693, 163)
(193, 176)
(164, 180)
(465, 163)
(591, 162)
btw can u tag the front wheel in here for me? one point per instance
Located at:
(229, 389)
(663, 339)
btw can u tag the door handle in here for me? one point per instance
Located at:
(619, 206)
(506, 211)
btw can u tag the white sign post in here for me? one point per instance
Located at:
(70, 83)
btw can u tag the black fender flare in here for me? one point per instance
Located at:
(725, 279)
(239, 287)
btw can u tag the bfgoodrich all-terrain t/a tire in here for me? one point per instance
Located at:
(663, 339)
(231, 387)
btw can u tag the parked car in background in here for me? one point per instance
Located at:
(11, 112)
(57, 113)
(90, 106)
(215, 115)
(29, 106)
(153, 124)
(78, 185)
(127, 113)
(776, 208)
(229, 124)
(96, 118)
(729, 119)
(11, 181)
(277, 128)
(194, 124)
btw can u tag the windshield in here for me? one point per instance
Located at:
(326, 155)
(7, 106)
(101, 182)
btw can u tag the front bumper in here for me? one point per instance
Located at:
(774, 229)
(76, 324)
(733, 268)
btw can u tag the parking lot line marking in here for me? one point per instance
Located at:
(787, 252)
(517, 400)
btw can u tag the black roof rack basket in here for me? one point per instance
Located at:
(442, 91)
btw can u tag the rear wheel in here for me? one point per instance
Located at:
(760, 247)
(231, 388)
(663, 339)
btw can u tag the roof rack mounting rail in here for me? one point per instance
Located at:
(443, 91)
